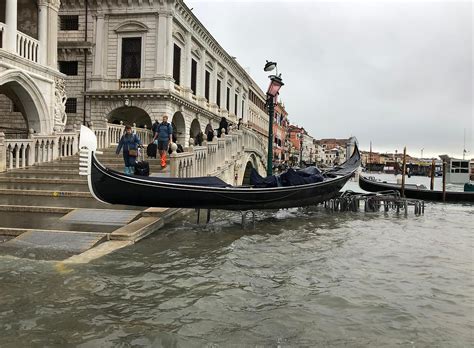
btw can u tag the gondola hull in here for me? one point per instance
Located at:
(116, 188)
(427, 195)
(113, 187)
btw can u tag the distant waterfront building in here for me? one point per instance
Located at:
(133, 61)
(280, 129)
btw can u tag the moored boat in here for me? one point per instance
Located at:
(113, 187)
(414, 191)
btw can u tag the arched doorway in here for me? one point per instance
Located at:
(251, 164)
(130, 115)
(194, 129)
(23, 97)
(179, 128)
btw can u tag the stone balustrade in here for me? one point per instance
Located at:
(220, 157)
(110, 134)
(27, 47)
(21, 153)
(130, 83)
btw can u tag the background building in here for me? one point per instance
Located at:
(135, 61)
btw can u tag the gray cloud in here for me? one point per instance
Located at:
(394, 73)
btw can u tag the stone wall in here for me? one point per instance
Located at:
(13, 124)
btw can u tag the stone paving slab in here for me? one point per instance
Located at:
(53, 244)
(101, 216)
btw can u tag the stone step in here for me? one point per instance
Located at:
(44, 170)
(155, 166)
(44, 175)
(12, 220)
(109, 217)
(33, 185)
(51, 245)
(40, 181)
(45, 193)
(60, 201)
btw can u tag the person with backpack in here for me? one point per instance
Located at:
(164, 135)
(130, 143)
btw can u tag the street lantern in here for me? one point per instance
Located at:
(275, 84)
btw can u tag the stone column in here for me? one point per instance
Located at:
(201, 73)
(11, 11)
(99, 46)
(42, 31)
(52, 46)
(3, 153)
(164, 51)
(213, 84)
(48, 32)
(186, 78)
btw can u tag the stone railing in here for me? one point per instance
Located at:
(36, 149)
(27, 47)
(111, 134)
(130, 83)
(217, 156)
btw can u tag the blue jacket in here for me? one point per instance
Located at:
(164, 131)
(128, 142)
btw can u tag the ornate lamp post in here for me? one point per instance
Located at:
(275, 85)
(300, 135)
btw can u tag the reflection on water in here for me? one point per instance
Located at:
(302, 277)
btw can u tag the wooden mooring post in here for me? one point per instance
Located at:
(433, 169)
(404, 168)
(444, 181)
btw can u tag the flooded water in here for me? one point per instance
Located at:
(302, 277)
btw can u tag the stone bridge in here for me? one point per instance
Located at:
(230, 157)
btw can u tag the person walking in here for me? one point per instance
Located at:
(164, 135)
(129, 142)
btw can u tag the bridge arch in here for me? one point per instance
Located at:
(23, 91)
(179, 128)
(250, 163)
(194, 129)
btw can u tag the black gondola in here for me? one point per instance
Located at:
(412, 191)
(113, 187)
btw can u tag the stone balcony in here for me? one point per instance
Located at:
(26, 46)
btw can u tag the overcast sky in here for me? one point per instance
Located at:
(392, 72)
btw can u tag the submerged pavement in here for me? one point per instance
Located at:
(47, 212)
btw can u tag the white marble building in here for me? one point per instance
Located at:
(32, 94)
(135, 60)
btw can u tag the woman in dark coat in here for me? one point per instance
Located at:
(129, 142)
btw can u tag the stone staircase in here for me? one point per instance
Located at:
(35, 201)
